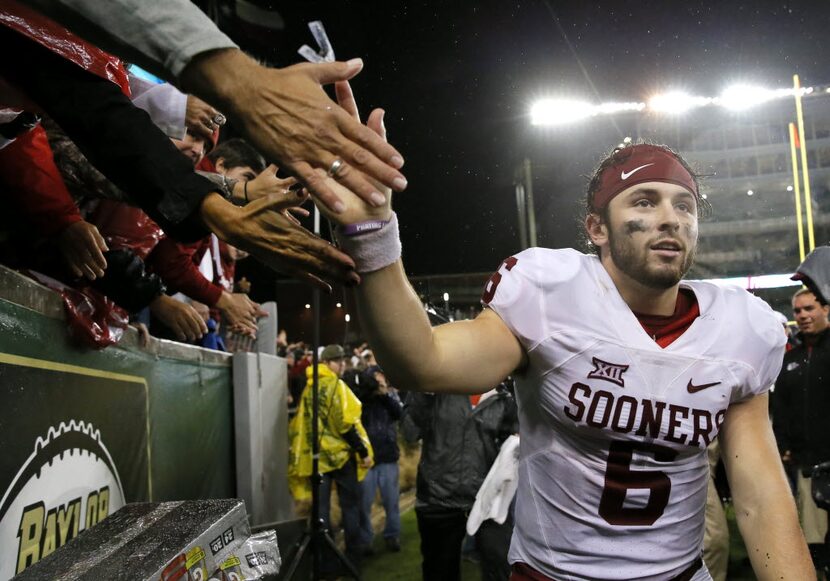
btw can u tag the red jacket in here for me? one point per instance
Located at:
(125, 226)
(176, 264)
(34, 184)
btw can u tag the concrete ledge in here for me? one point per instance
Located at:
(22, 291)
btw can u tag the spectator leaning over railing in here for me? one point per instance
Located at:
(48, 219)
(284, 112)
(244, 176)
(128, 227)
(122, 142)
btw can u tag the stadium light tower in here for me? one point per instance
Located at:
(559, 111)
(742, 97)
(676, 102)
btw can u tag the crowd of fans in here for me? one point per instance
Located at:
(69, 221)
(120, 191)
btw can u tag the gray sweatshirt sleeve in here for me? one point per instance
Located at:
(161, 36)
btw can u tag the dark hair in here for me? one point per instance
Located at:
(238, 153)
(804, 291)
(617, 156)
(368, 381)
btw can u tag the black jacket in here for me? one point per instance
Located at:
(459, 443)
(380, 418)
(801, 403)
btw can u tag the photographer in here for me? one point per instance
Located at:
(382, 408)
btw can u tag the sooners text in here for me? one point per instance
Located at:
(644, 417)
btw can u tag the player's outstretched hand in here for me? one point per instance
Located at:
(356, 209)
(287, 115)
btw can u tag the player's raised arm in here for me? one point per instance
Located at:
(764, 506)
(465, 356)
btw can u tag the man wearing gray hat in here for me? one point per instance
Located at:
(345, 450)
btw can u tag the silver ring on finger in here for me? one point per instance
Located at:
(219, 119)
(335, 167)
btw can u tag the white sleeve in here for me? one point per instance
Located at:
(526, 291)
(160, 36)
(165, 104)
(762, 348)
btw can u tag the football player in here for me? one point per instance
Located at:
(624, 374)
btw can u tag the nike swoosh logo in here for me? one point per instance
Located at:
(626, 175)
(692, 388)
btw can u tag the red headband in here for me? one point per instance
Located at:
(637, 164)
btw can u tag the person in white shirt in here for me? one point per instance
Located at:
(624, 375)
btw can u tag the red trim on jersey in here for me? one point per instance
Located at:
(665, 330)
(524, 572)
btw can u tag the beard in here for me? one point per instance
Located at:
(634, 262)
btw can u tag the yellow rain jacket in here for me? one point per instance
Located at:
(339, 412)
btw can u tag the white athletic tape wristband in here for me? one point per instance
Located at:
(373, 250)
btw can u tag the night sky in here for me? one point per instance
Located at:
(457, 80)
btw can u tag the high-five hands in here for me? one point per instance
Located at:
(287, 115)
(267, 230)
(356, 209)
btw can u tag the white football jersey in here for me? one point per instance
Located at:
(614, 428)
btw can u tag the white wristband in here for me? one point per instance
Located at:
(373, 250)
